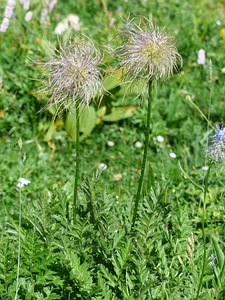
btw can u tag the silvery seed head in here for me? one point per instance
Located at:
(146, 52)
(216, 150)
(72, 75)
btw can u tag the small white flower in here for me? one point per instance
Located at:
(112, 21)
(212, 260)
(223, 70)
(8, 11)
(28, 141)
(205, 168)
(28, 16)
(160, 138)
(11, 3)
(218, 22)
(201, 57)
(52, 5)
(138, 144)
(26, 5)
(4, 25)
(74, 22)
(110, 143)
(61, 27)
(172, 155)
(102, 166)
(117, 177)
(22, 182)
(70, 20)
(44, 14)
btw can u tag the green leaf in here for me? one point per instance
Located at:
(220, 274)
(52, 110)
(45, 45)
(219, 252)
(119, 113)
(50, 132)
(101, 112)
(88, 121)
(112, 80)
(111, 280)
(20, 143)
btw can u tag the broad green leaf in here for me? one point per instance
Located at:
(119, 113)
(112, 80)
(101, 112)
(135, 88)
(87, 122)
(50, 132)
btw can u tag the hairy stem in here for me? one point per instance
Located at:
(77, 168)
(204, 260)
(20, 144)
(143, 165)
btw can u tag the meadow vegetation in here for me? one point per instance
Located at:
(176, 248)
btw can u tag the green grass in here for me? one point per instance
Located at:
(167, 254)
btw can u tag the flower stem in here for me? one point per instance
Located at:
(204, 260)
(77, 168)
(140, 183)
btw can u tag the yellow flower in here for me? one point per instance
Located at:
(222, 31)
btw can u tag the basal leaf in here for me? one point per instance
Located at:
(87, 122)
(120, 113)
(50, 132)
(112, 80)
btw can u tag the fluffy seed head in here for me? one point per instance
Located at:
(72, 75)
(146, 52)
(216, 150)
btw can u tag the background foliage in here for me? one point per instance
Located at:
(99, 257)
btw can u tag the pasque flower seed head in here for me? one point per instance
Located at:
(146, 52)
(73, 75)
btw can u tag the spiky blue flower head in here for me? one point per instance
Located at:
(220, 133)
(216, 150)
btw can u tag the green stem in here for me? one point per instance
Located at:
(77, 169)
(19, 232)
(140, 183)
(204, 260)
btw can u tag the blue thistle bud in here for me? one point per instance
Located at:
(216, 150)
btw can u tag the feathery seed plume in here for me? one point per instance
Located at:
(146, 52)
(73, 75)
